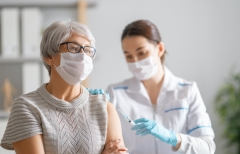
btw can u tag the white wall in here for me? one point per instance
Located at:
(201, 38)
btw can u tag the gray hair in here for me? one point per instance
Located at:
(57, 33)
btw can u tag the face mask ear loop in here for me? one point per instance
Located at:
(153, 57)
(54, 66)
(53, 62)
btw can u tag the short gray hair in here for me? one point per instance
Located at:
(57, 33)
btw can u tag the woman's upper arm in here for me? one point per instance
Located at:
(114, 130)
(30, 145)
(199, 123)
(23, 123)
(110, 91)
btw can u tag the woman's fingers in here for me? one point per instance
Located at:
(121, 152)
(114, 147)
(138, 126)
(111, 144)
(118, 149)
(122, 149)
(146, 133)
(140, 120)
(101, 91)
(142, 125)
(140, 131)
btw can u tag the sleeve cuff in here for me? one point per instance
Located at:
(184, 145)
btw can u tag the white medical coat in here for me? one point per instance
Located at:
(179, 107)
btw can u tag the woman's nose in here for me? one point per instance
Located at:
(81, 50)
(135, 59)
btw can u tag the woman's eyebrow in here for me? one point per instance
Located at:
(136, 50)
(82, 44)
(139, 48)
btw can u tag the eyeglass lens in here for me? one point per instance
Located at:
(75, 48)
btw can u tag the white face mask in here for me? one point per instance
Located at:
(143, 69)
(74, 68)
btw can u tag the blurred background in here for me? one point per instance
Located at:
(201, 39)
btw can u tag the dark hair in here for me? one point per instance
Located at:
(143, 28)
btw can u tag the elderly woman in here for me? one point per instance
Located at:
(62, 117)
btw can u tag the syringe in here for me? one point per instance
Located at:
(127, 118)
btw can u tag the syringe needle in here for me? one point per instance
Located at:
(127, 118)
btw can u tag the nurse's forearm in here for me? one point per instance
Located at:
(194, 145)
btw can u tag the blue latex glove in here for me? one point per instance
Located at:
(145, 127)
(98, 91)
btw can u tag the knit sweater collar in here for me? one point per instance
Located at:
(62, 104)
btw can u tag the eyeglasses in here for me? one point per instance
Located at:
(76, 48)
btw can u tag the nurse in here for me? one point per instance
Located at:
(169, 112)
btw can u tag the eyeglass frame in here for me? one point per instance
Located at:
(81, 47)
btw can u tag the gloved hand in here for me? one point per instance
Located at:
(98, 91)
(145, 127)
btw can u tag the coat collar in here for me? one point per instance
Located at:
(170, 83)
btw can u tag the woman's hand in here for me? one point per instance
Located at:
(145, 127)
(113, 147)
(98, 91)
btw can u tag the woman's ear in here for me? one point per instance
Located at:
(48, 61)
(161, 48)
